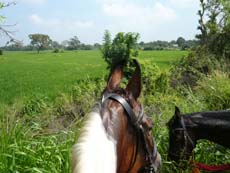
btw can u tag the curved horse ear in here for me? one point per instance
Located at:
(115, 78)
(134, 85)
(177, 112)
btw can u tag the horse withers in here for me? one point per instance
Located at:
(186, 129)
(117, 136)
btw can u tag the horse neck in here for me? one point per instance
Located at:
(95, 150)
(213, 126)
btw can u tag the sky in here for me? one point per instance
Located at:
(88, 19)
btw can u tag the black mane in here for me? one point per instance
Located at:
(212, 119)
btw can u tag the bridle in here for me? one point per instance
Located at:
(187, 137)
(136, 122)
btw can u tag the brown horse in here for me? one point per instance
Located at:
(186, 129)
(117, 137)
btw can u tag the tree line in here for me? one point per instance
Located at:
(40, 42)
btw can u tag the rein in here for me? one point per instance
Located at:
(136, 122)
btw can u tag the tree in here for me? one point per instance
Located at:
(181, 42)
(56, 45)
(40, 41)
(97, 46)
(121, 49)
(202, 26)
(8, 33)
(74, 43)
(214, 25)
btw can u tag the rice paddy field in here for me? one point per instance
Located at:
(25, 74)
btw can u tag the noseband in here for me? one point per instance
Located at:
(136, 122)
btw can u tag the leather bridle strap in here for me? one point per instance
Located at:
(137, 124)
(135, 121)
(186, 132)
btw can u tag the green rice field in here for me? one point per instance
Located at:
(25, 74)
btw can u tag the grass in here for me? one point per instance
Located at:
(32, 136)
(26, 74)
(163, 59)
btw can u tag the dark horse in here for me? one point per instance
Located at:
(117, 135)
(185, 130)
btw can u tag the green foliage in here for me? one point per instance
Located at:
(1, 17)
(180, 41)
(56, 50)
(86, 91)
(209, 153)
(40, 41)
(34, 105)
(214, 26)
(162, 83)
(1, 52)
(74, 43)
(25, 147)
(215, 90)
(121, 49)
(188, 70)
(150, 72)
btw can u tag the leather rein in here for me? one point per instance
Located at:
(136, 122)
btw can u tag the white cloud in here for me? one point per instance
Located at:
(34, 2)
(36, 19)
(162, 12)
(59, 23)
(131, 11)
(184, 3)
(65, 27)
(61, 29)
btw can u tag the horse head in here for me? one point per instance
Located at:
(117, 137)
(125, 121)
(181, 139)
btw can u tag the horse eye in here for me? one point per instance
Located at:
(147, 123)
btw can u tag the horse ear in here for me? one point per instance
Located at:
(177, 112)
(134, 85)
(115, 78)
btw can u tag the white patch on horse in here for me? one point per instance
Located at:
(95, 151)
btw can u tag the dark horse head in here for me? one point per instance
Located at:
(181, 143)
(186, 129)
(126, 145)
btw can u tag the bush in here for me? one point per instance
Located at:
(34, 105)
(56, 50)
(188, 70)
(215, 90)
(1, 52)
(84, 95)
(121, 49)
(150, 72)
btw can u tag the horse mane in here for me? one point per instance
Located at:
(95, 150)
(219, 119)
